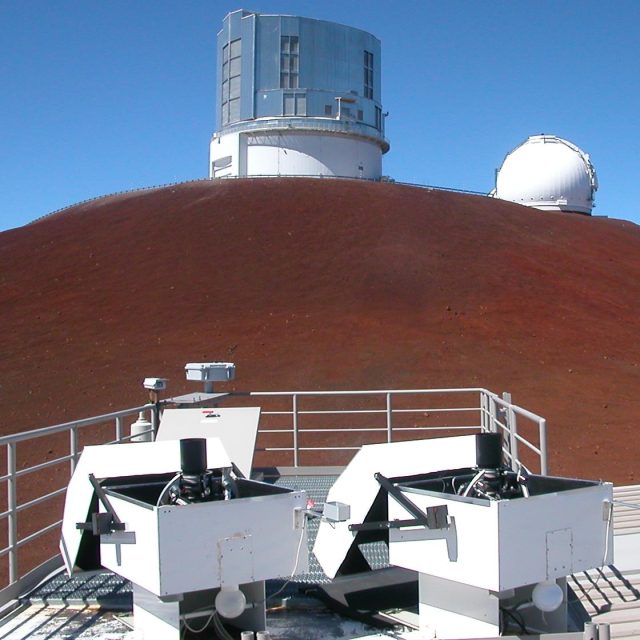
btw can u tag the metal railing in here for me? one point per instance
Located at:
(9, 567)
(490, 413)
(294, 424)
(282, 124)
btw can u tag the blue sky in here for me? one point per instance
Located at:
(103, 96)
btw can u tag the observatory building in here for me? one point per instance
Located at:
(296, 97)
(549, 173)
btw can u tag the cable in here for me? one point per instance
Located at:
(295, 567)
(219, 627)
(518, 619)
(204, 626)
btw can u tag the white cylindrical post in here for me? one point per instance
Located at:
(141, 429)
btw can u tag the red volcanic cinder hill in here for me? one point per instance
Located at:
(324, 284)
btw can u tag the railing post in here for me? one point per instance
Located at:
(542, 427)
(389, 419)
(12, 523)
(492, 415)
(512, 426)
(118, 429)
(483, 411)
(295, 430)
(155, 419)
(73, 449)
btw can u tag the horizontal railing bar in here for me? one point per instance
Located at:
(44, 498)
(130, 436)
(519, 410)
(345, 448)
(78, 424)
(339, 412)
(39, 533)
(43, 465)
(275, 431)
(316, 448)
(438, 410)
(341, 429)
(367, 392)
(442, 428)
(528, 444)
(358, 429)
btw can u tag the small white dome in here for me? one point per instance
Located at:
(548, 173)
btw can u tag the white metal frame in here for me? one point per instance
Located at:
(491, 413)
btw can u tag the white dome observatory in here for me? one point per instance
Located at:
(549, 173)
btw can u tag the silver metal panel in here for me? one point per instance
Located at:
(559, 553)
(453, 609)
(236, 427)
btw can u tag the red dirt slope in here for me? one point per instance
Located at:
(329, 284)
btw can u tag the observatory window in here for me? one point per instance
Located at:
(289, 104)
(301, 104)
(368, 74)
(360, 115)
(378, 118)
(295, 104)
(289, 62)
(328, 110)
(231, 68)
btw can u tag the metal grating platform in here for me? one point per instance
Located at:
(101, 588)
(317, 488)
(612, 594)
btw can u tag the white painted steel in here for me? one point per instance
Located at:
(105, 461)
(237, 429)
(295, 153)
(193, 547)
(511, 543)
(550, 173)
(358, 488)
(486, 421)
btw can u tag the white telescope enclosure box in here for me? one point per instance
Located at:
(183, 537)
(118, 460)
(174, 549)
(491, 546)
(503, 544)
(184, 548)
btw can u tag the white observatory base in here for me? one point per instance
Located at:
(294, 153)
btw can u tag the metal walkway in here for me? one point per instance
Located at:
(612, 594)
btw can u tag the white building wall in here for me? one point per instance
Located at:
(227, 155)
(294, 154)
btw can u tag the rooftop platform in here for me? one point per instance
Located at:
(97, 605)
